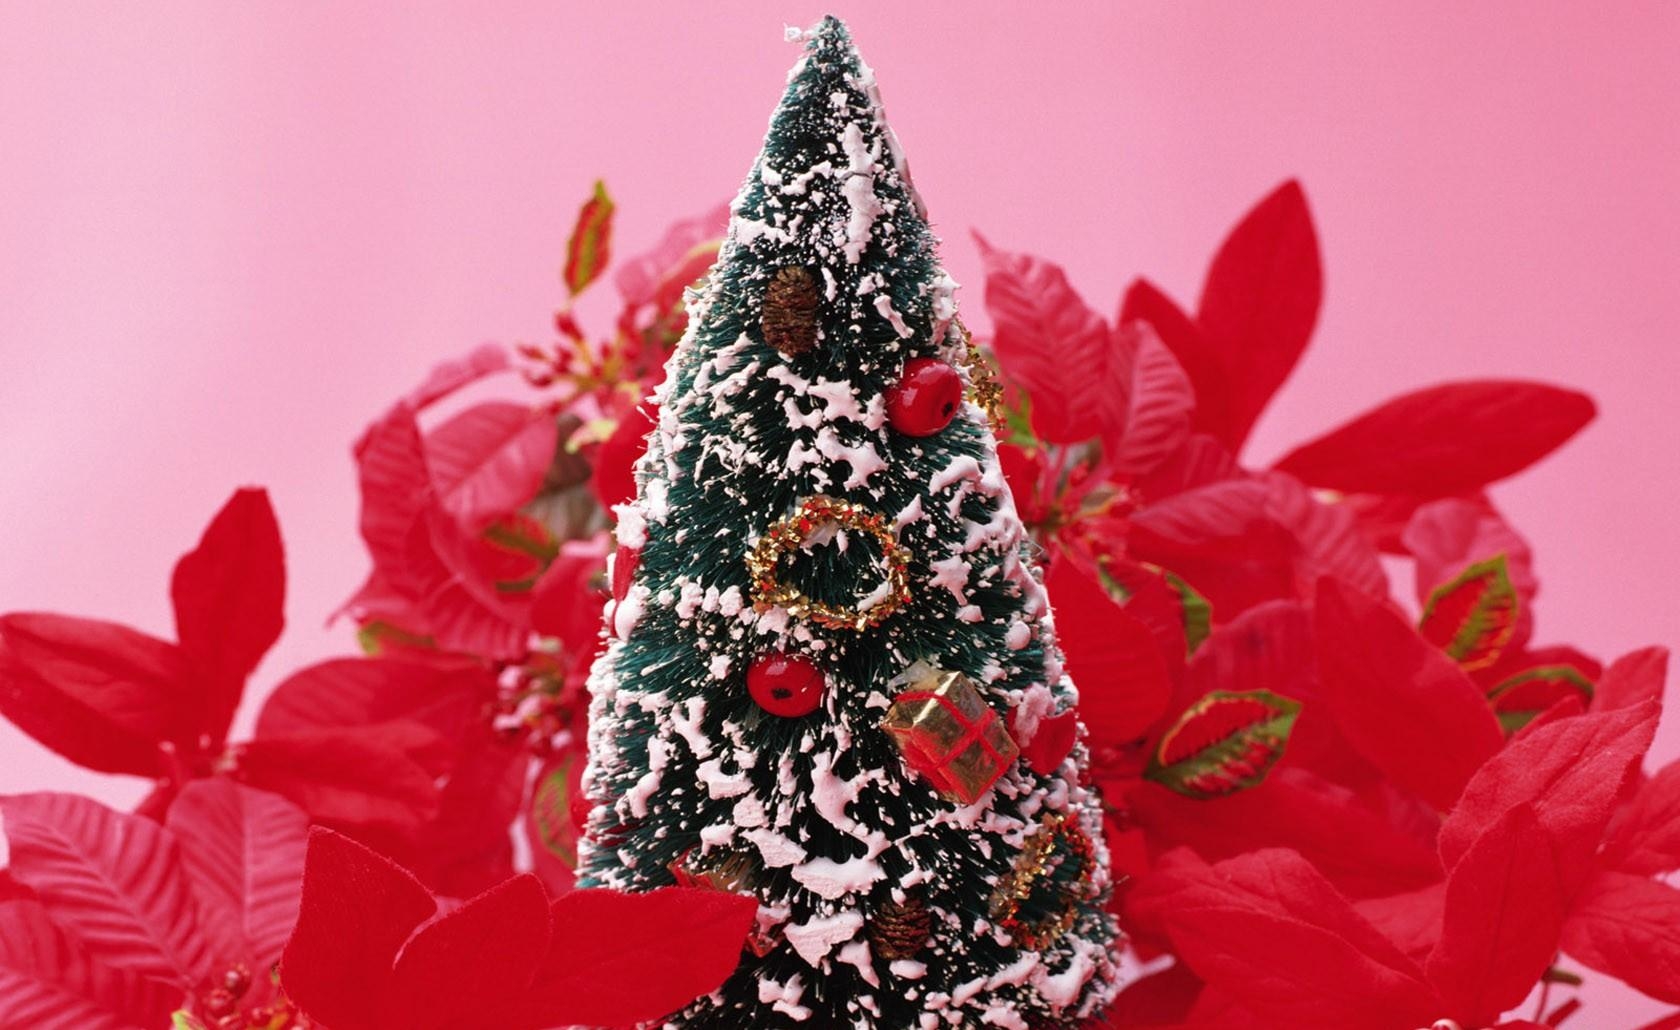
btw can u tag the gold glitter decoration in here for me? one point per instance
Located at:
(1058, 839)
(984, 389)
(789, 534)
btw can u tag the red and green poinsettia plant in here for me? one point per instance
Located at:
(1330, 807)
(1330, 812)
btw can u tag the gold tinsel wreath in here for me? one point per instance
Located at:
(785, 536)
(1034, 862)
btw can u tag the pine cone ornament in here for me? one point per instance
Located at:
(900, 929)
(789, 319)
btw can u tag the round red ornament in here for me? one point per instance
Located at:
(925, 398)
(786, 684)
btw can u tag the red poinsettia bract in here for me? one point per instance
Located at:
(359, 742)
(117, 921)
(372, 950)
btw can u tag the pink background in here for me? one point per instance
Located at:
(233, 232)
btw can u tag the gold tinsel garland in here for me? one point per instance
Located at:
(785, 536)
(1039, 856)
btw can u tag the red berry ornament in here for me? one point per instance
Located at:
(786, 684)
(925, 398)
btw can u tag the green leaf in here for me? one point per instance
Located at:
(181, 1019)
(1473, 616)
(1226, 742)
(588, 249)
(1520, 698)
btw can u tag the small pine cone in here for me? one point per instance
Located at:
(900, 930)
(789, 320)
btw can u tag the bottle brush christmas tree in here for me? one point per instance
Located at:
(832, 680)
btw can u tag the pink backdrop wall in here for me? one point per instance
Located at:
(230, 233)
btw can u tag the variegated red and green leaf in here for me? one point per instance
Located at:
(1520, 698)
(552, 801)
(1472, 616)
(1158, 596)
(590, 245)
(1197, 613)
(1226, 742)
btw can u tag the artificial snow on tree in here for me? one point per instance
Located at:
(835, 646)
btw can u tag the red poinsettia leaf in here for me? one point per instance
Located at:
(446, 377)
(1174, 613)
(362, 777)
(471, 959)
(1405, 706)
(102, 695)
(1623, 925)
(1633, 679)
(1645, 839)
(589, 247)
(466, 849)
(490, 459)
(1062, 353)
(1200, 461)
(1159, 999)
(1446, 536)
(1226, 742)
(113, 881)
(459, 599)
(1571, 772)
(1327, 537)
(1566, 707)
(229, 594)
(1443, 440)
(445, 695)
(1145, 302)
(510, 555)
(566, 602)
(1505, 904)
(613, 480)
(1266, 929)
(395, 484)
(1473, 615)
(47, 982)
(244, 857)
(357, 909)
(642, 279)
(1112, 654)
(1268, 647)
(1159, 402)
(426, 575)
(1220, 538)
(605, 943)
(1355, 846)
(1050, 742)
(11, 890)
(1517, 700)
(1257, 311)
(1411, 920)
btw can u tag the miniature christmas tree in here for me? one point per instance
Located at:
(831, 679)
